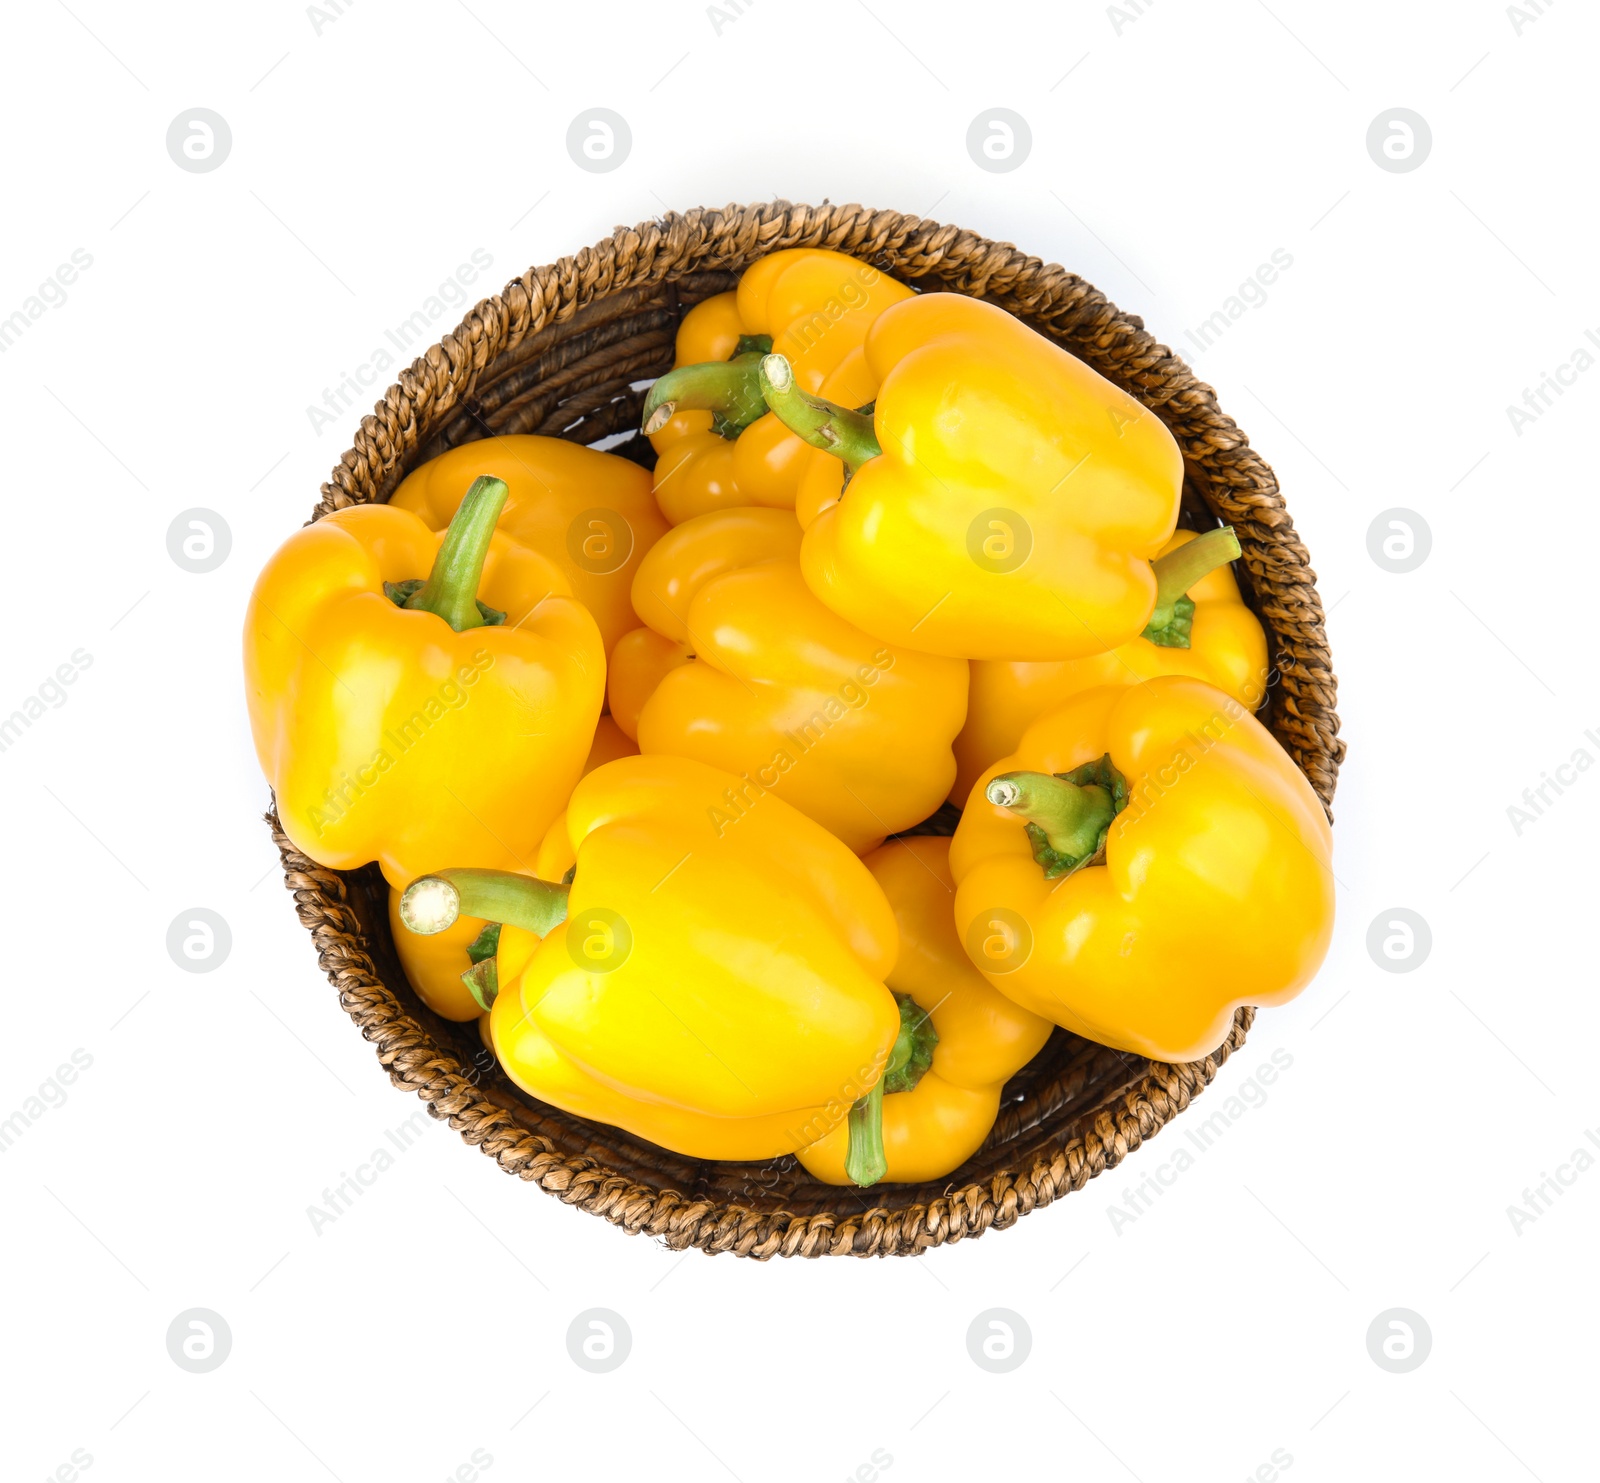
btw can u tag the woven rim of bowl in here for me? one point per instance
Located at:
(555, 352)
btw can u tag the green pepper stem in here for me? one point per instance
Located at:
(483, 983)
(434, 902)
(1179, 570)
(729, 389)
(864, 1160)
(909, 1058)
(1072, 816)
(847, 435)
(912, 1052)
(451, 591)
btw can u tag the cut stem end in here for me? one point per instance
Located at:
(430, 905)
(1067, 815)
(433, 902)
(848, 435)
(730, 390)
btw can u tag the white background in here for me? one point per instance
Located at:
(1172, 152)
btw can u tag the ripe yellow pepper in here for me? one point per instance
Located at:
(1148, 860)
(721, 996)
(1004, 501)
(932, 1122)
(556, 857)
(592, 514)
(398, 717)
(639, 663)
(1214, 637)
(719, 446)
(750, 673)
(436, 965)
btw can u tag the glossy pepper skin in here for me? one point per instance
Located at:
(1226, 647)
(435, 964)
(1015, 505)
(812, 305)
(1214, 888)
(720, 996)
(983, 1038)
(794, 700)
(591, 514)
(556, 855)
(390, 735)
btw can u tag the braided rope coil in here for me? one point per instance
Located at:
(556, 352)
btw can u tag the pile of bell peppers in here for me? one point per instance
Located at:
(643, 757)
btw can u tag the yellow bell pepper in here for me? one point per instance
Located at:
(750, 673)
(1148, 860)
(720, 995)
(1001, 501)
(718, 446)
(932, 1123)
(556, 855)
(436, 965)
(639, 663)
(1214, 637)
(590, 513)
(398, 717)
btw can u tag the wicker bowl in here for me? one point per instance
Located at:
(559, 352)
